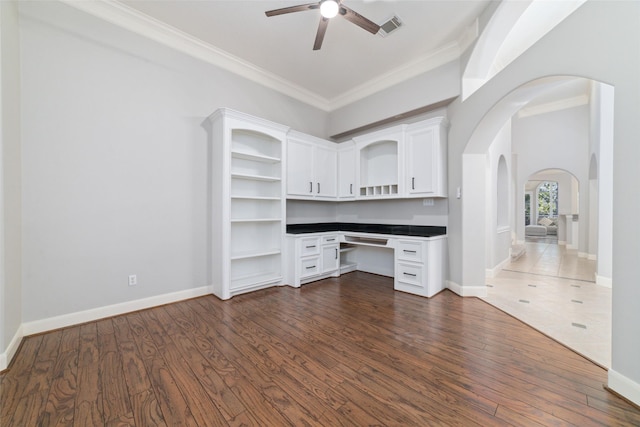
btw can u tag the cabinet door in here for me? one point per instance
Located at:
(422, 161)
(347, 173)
(330, 258)
(326, 172)
(300, 180)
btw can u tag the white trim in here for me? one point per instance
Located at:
(12, 348)
(467, 291)
(550, 107)
(583, 255)
(562, 242)
(604, 281)
(70, 319)
(493, 272)
(592, 257)
(139, 23)
(624, 386)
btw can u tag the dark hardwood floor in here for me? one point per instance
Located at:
(346, 351)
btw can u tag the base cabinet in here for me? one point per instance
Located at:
(419, 263)
(420, 266)
(312, 257)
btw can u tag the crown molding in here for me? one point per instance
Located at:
(144, 25)
(131, 19)
(550, 107)
(422, 65)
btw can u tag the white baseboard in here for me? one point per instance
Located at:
(583, 255)
(592, 257)
(12, 348)
(604, 281)
(62, 321)
(624, 386)
(467, 291)
(562, 242)
(492, 272)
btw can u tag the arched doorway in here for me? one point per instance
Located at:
(553, 140)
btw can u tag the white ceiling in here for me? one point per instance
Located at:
(350, 60)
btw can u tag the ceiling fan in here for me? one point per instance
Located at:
(329, 9)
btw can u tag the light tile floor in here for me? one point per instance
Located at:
(552, 290)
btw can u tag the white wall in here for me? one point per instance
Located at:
(10, 185)
(555, 140)
(114, 155)
(498, 235)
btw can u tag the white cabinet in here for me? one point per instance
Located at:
(420, 265)
(403, 161)
(425, 159)
(312, 257)
(247, 204)
(312, 167)
(346, 170)
(378, 171)
(330, 253)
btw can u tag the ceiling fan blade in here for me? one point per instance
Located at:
(359, 20)
(322, 28)
(299, 8)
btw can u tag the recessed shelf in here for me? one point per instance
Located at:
(255, 177)
(256, 220)
(240, 197)
(254, 157)
(254, 280)
(255, 254)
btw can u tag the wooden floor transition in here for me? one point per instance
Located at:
(346, 351)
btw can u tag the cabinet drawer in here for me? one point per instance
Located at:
(327, 240)
(409, 274)
(310, 246)
(309, 267)
(409, 251)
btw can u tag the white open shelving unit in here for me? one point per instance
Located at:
(249, 225)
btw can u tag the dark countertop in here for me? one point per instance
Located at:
(400, 230)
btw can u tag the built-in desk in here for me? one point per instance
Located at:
(416, 260)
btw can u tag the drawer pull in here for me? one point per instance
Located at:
(309, 247)
(336, 253)
(310, 267)
(408, 251)
(331, 240)
(410, 274)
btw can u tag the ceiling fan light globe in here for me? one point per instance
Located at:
(329, 8)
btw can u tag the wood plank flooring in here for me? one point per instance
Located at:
(338, 352)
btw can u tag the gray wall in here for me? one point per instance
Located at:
(611, 55)
(114, 154)
(10, 178)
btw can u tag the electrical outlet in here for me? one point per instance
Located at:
(133, 280)
(427, 202)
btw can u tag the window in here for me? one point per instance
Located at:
(548, 200)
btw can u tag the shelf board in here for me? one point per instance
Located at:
(252, 280)
(255, 198)
(255, 177)
(255, 157)
(240, 220)
(255, 254)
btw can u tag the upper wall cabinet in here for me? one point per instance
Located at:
(426, 159)
(346, 171)
(312, 167)
(379, 163)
